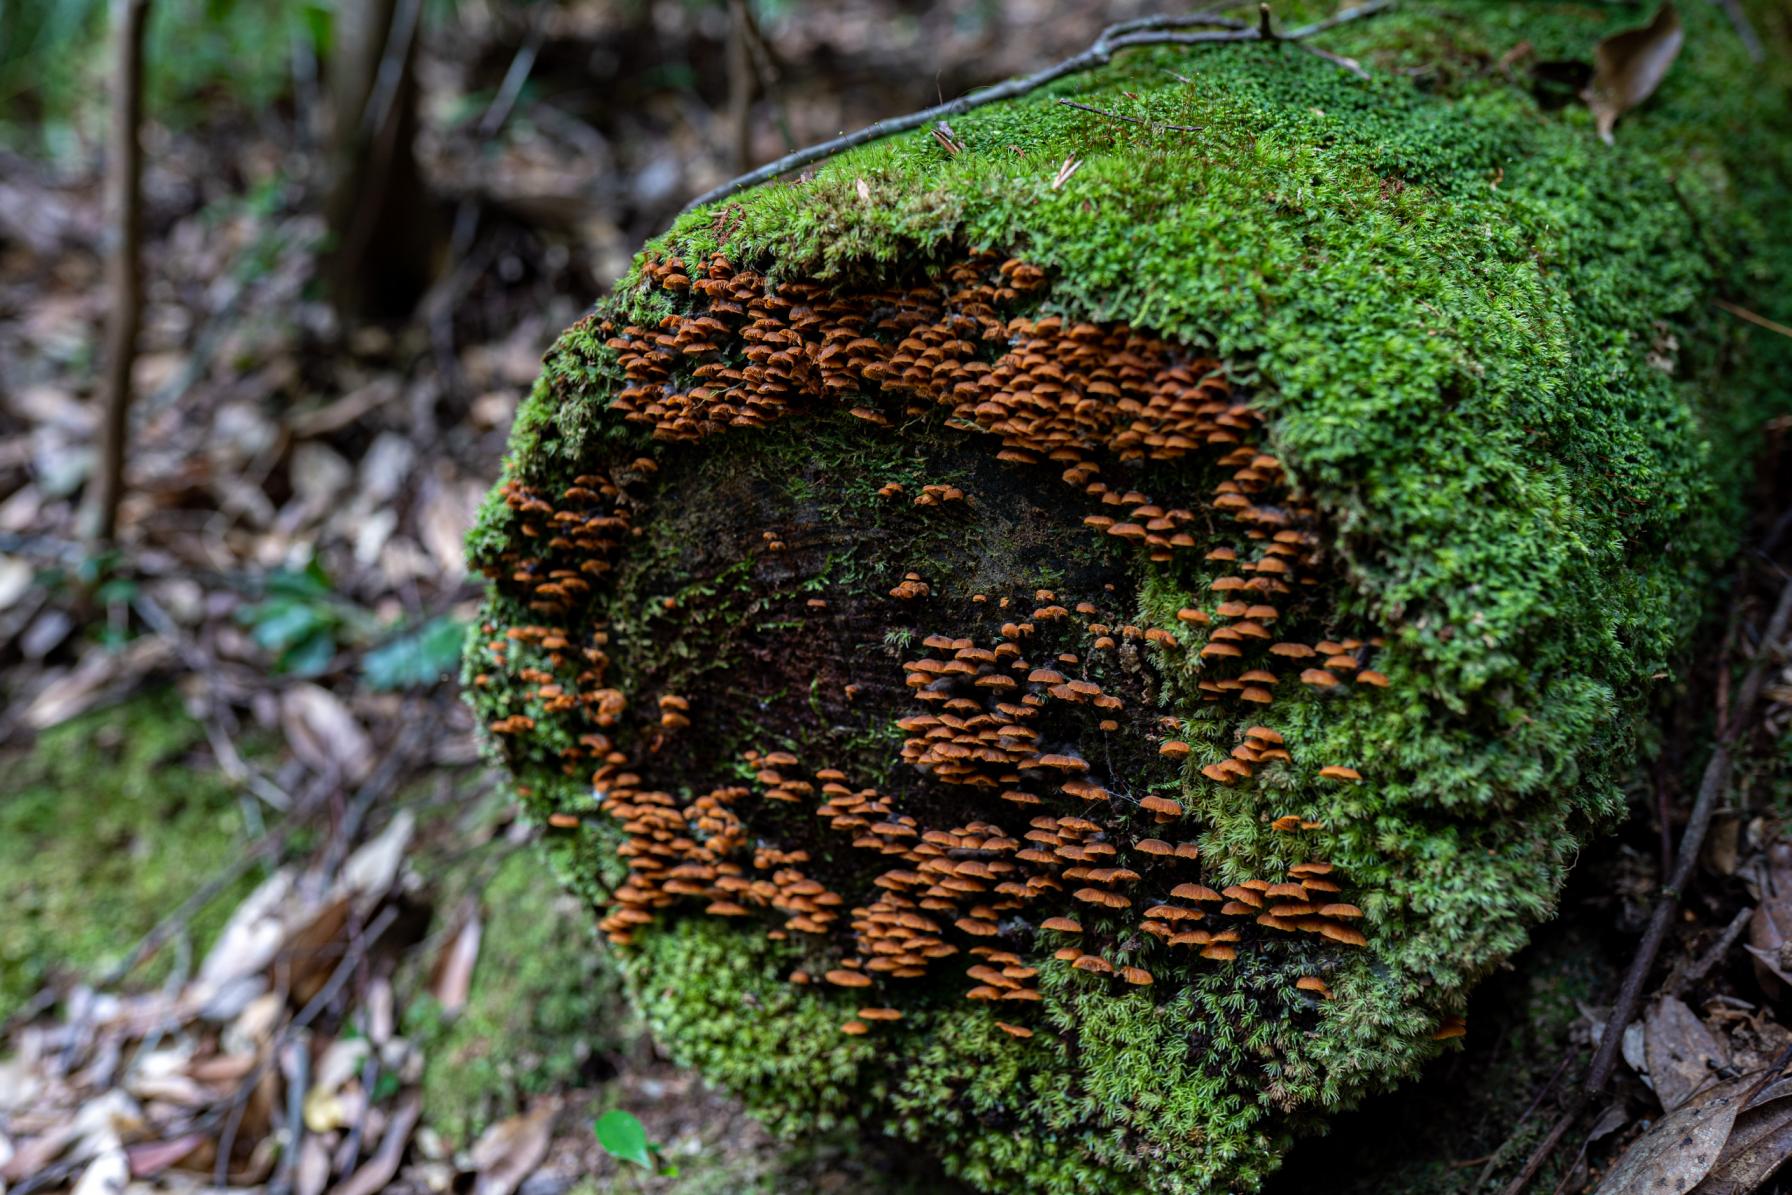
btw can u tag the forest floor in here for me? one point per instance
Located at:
(269, 920)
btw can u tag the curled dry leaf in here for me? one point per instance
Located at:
(1681, 1148)
(1629, 66)
(1682, 1054)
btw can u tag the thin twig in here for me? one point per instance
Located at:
(1126, 35)
(1150, 124)
(1760, 321)
(1715, 953)
(1493, 1159)
(1692, 839)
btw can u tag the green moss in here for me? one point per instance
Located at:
(544, 1005)
(107, 824)
(1486, 346)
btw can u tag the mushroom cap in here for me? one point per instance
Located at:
(848, 979)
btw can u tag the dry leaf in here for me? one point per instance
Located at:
(313, 1170)
(380, 1169)
(251, 937)
(323, 733)
(106, 1174)
(369, 873)
(98, 672)
(1770, 929)
(153, 1157)
(445, 517)
(1681, 1052)
(1629, 66)
(510, 1150)
(453, 980)
(1759, 1142)
(15, 579)
(1681, 1148)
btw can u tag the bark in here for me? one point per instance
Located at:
(383, 231)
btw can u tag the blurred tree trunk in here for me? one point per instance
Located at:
(383, 231)
(124, 274)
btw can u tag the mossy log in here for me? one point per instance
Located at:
(1076, 642)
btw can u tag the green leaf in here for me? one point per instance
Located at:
(418, 659)
(311, 657)
(621, 1136)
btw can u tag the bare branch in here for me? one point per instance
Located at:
(1143, 31)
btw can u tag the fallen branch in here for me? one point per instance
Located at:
(1143, 31)
(1630, 994)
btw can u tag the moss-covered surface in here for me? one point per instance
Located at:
(1499, 1093)
(107, 823)
(1485, 348)
(544, 1007)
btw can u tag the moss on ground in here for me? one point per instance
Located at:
(107, 823)
(1486, 346)
(545, 1005)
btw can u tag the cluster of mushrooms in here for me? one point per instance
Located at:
(1009, 715)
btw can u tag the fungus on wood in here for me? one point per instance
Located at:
(1087, 668)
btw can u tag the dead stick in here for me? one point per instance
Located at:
(1150, 124)
(1148, 31)
(1715, 953)
(1630, 994)
(124, 184)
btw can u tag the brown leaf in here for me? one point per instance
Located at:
(152, 1157)
(1681, 1148)
(510, 1150)
(1629, 66)
(1681, 1052)
(1759, 1142)
(312, 952)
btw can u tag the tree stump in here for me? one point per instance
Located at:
(1075, 641)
